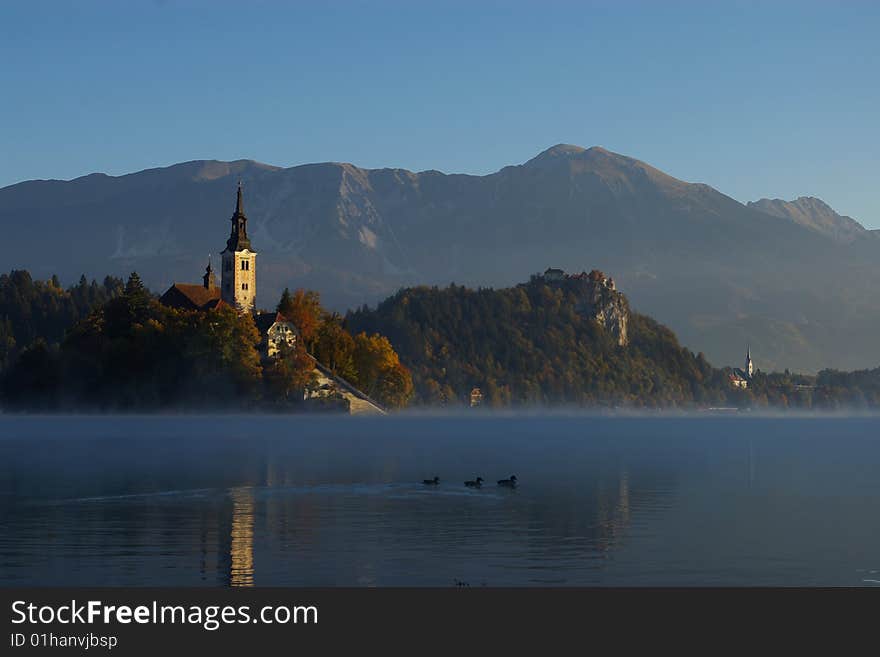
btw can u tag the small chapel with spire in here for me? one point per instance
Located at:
(740, 378)
(238, 274)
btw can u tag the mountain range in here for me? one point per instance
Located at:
(792, 279)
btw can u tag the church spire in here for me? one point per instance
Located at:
(239, 204)
(238, 239)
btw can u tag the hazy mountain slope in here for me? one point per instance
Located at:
(719, 273)
(815, 214)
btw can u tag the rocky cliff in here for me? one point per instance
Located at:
(598, 299)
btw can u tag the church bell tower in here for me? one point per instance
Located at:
(239, 274)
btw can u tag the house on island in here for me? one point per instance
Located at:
(277, 332)
(740, 378)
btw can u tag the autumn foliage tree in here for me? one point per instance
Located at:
(303, 309)
(379, 371)
(334, 348)
(289, 375)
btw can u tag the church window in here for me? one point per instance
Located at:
(245, 265)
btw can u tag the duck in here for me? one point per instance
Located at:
(476, 483)
(431, 482)
(510, 483)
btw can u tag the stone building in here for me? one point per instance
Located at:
(239, 268)
(277, 332)
(238, 280)
(189, 296)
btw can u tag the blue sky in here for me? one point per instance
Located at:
(776, 99)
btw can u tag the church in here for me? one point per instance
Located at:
(238, 289)
(238, 275)
(740, 378)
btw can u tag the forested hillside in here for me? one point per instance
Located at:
(530, 344)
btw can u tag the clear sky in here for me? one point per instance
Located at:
(778, 99)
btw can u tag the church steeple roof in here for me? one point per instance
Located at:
(208, 279)
(239, 204)
(238, 239)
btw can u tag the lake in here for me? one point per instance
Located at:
(228, 500)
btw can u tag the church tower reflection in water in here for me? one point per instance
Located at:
(241, 548)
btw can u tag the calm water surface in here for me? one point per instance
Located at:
(268, 500)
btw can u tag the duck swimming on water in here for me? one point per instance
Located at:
(476, 483)
(510, 483)
(431, 482)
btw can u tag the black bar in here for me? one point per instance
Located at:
(409, 621)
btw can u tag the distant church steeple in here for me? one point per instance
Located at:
(239, 204)
(209, 281)
(750, 367)
(239, 275)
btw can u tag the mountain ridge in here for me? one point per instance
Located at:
(713, 269)
(813, 213)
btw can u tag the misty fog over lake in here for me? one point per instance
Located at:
(314, 501)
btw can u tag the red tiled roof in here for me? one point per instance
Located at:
(191, 297)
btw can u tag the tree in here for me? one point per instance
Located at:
(372, 355)
(35, 378)
(394, 387)
(131, 309)
(334, 348)
(219, 346)
(303, 309)
(7, 342)
(378, 371)
(290, 373)
(137, 296)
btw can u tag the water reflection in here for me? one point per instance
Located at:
(241, 548)
(613, 514)
(600, 502)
